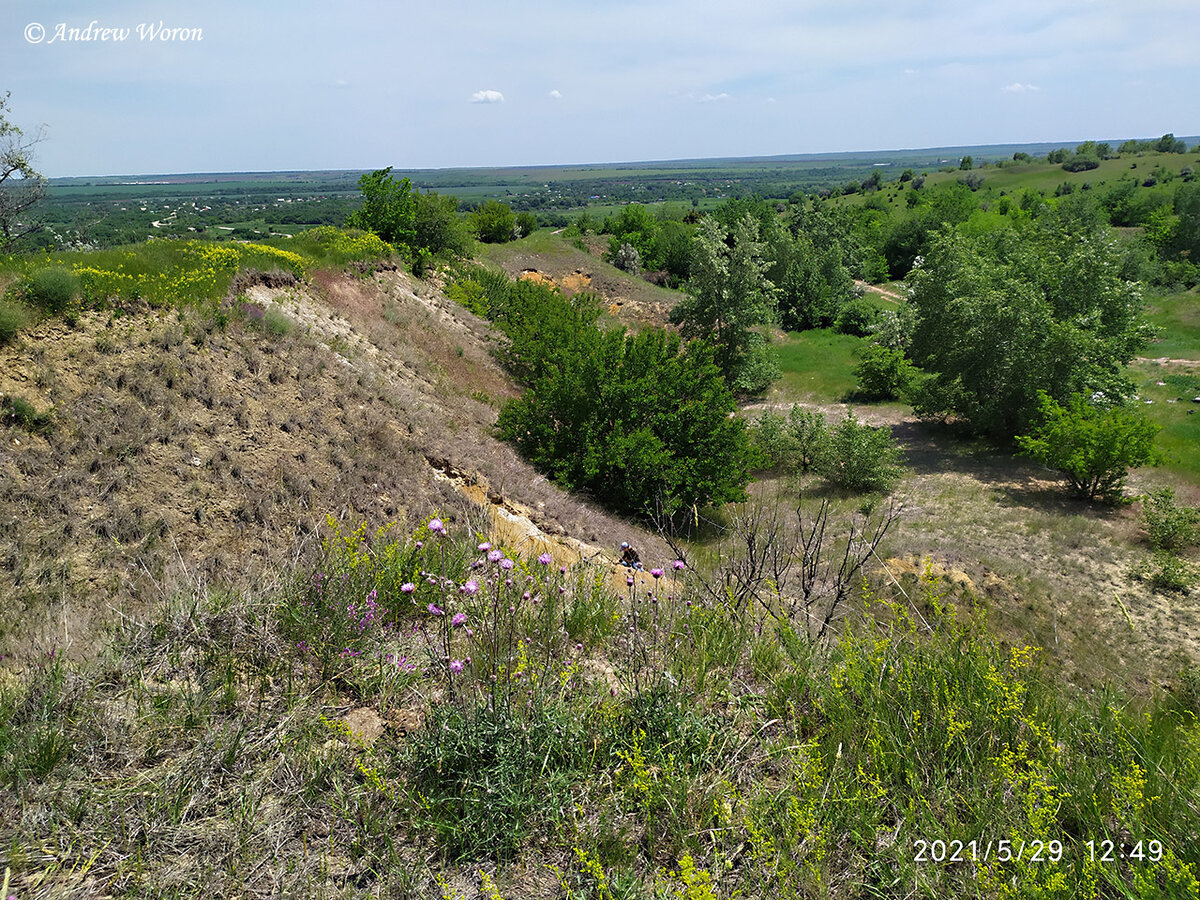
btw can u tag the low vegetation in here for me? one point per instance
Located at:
(418, 712)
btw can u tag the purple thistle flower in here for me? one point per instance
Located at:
(436, 610)
(678, 564)
(436, 526)
(485, 547)
(420, 544)
(494, 556)
(459, 619)
(470, 588)
(456, 665)
(506, 563)
(629, 581)
(407, 588)
(545, 559)
(657, 573)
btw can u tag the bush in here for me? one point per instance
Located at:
(627, 259)
(770, 438)
(526, 224)
(649, 418)
(883, 374)
(793, 441)
(12, 319)
(438, 227)
(494, 222)
(1092, 444)
(810, 431)
(856, 318)
(859, 458)
(1168, 573)
(1168, 525)
(52, 290)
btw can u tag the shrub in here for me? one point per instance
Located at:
(1092, 444)
(1168, 573)
(388, 207)
(12, 319)
(627, 259)
(52, 290)
(883, 374)
(1168, 525)
(856, 318)
(494, 222)
(526, 224)
(769, 436)
(859, 457)
(810, 432)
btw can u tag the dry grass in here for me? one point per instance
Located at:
(181, 449)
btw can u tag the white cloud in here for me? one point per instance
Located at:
(487, 97)
(556, 94)
(1017, 88)
(712, 98)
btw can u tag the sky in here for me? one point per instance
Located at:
(266, 85)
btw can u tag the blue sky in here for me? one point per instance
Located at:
(365, 83)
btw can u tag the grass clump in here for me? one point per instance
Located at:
(20, 412)
(52, 290)
(13, 317)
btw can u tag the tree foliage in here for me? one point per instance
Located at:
(437, 226)
(641, 422)
(494, 222)
(1092, 443)
(729, 297)
(21, 186)
(859, 457)
(1004, 315)
(388, 208)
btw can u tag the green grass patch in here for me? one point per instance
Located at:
(1177, 317)
(817, 365)
(1174, 409)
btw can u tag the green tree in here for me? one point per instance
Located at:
(21, 186)
(728, 298)
(437, 225)
(1093, 443)
(642, 422)
(1004, 315)
(526, 223)
(388, 208)
(494, 222)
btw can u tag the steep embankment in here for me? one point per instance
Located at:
(185, 448)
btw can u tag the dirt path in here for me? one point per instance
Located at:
(890, 296)
(1168, 361)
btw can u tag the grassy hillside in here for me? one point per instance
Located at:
(290, 621)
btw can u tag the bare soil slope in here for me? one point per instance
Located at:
(183, 450)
